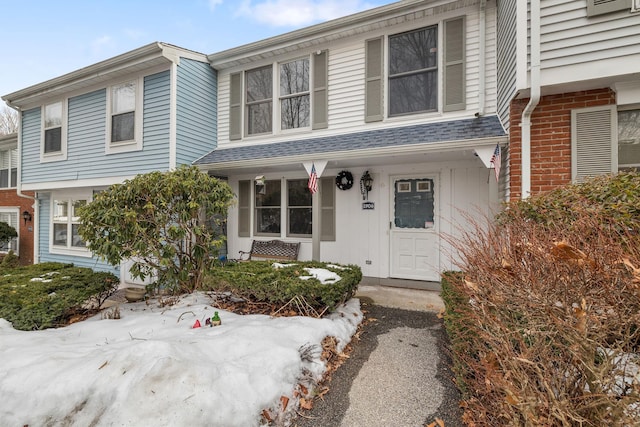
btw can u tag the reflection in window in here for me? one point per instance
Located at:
(299, 208)
(123, 106)
(294, 94)
(53, 128)
(413, 71)
(66, 223)
(414, 203)
(259, 100)
(268, 208)
(11, 218)
(629, 140)
(8, 168)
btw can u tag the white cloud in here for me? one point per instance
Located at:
(134, 34)
(296, 13)
(214, 3)
(101, 44)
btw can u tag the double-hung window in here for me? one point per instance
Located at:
(259, 96)
(268, 212)
(629, 140)
(54, 137)
(10, 216)
(413, 71)
(8, 168)
(124, 121)
(294, 94)
(299, 208)
(66, 222)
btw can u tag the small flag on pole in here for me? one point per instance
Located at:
(496, 161)
(313, 180)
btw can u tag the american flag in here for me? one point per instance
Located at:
(313, 180)
(495, 161)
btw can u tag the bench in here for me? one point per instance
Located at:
(272, 249)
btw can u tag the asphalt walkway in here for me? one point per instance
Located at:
(398, 374)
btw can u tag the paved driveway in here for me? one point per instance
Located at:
(398, 375)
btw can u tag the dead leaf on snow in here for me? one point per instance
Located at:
(306, 404)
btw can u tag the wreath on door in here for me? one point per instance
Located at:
(344, 180)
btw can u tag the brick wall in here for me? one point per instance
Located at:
(550, 138)
(10, 198)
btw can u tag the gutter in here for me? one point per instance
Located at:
(36, 203)
(482, 48)
(534, 99)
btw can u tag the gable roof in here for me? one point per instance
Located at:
(429, 136)
(142, 58)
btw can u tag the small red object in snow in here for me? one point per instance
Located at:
(196, 325)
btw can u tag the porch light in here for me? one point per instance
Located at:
(366, 184)
(26, 216)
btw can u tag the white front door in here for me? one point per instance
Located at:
(415, 245)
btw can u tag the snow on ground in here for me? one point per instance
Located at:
(152, 368)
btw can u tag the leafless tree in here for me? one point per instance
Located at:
(8, 121)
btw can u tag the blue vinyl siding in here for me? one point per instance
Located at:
(86, 138)
(196, 110)
(43, 247)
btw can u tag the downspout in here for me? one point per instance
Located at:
(534, 76)
(481, 51)
(36, 204)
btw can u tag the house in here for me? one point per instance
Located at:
(149, 109)
(568, 90)
(15, 209)
(394, 109)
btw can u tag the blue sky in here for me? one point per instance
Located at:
(43, 39)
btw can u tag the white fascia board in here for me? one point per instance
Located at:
(75, 183)
(359, 154)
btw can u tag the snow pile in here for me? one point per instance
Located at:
(152, 368)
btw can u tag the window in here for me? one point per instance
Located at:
(66, 223)
(124, 120)
(54, 138)
(299, 208)
(259, 100)
(268, 208)
(297, 215)
(8, 168)
(629, 140)
(294, 94)
(300, 96)
(413, 71)
(11, 218)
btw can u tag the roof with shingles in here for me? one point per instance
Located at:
(455, 130)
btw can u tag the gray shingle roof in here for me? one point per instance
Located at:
(455, 130)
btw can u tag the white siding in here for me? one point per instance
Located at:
(506, 62)
(575, 47)
(346, 62)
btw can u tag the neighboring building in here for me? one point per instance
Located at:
(15, 210)
(403, 93)
(568, 89)
(149, 109)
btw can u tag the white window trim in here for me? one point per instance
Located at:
(16, 211)
(70, 195)
(62, 155)
(136, 143)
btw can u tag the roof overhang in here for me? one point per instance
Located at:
(144, 58)
(8, 142)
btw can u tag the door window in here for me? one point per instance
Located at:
(414, 203)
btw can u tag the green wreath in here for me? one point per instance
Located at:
(344, 180)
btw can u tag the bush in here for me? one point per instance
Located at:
(259, 281)
(47, 295)
(545, 318)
